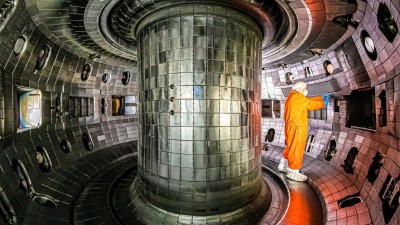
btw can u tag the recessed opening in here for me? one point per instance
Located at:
(43, 57)
(375, 167)
(382, 116)
(318, 114)
(310, 142)
(369, 45)
(87, 141)
(349, 200)
(337, 105)
(361, 109)
(123, 105)
(126, 77)
(20, 45)
(390, 197)
(80, 106)
(86, 72)
(328, 67)
(270, 135)
(106, 77)
(386, 23)
(104, 106)
(30, 108)
(289, 77)
(308, 72)
(349, 161)
(24, 181)
(345, 21)
(271, 108)
(65, 146)
(6, 210)
(330, 150)
(43, 159)
(44, 200)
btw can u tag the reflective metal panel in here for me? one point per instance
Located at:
(209, 159)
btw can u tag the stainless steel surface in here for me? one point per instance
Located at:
(204, 159)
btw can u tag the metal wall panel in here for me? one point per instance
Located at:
(197, 85)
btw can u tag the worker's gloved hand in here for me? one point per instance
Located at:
(326, 102)
(325, 98)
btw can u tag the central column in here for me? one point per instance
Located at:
(199, 138)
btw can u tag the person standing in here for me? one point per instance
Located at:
(296, 127)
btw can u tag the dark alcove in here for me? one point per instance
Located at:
(349, 161)
(65, 146)
(361, 109)
(104, 106)
(345, 20)
(58, 105)
(268, 138)
(24, 179)
(270, 108)
(126, 77)
(87, 141)
(337, 105)
(382, 113)
(330, 150)
(86, 72)
(386, 23)
(270, 135)
(310, 142)
(349, 200)
(328, 67)
(43, 159)
(289, 77)
(375, 167)
(43, 57)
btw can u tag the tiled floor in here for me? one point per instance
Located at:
(66, 185)
(304, 209)
(331, 185)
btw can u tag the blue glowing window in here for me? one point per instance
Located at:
(30, 109)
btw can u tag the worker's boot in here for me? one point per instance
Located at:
(282, 167)
(295, 175)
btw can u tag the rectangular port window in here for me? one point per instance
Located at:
(360, 110)
(30, 108)
(123, 105)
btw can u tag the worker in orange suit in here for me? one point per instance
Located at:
(296, 127)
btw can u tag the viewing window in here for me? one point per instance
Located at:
(123, 105)
(30, 108)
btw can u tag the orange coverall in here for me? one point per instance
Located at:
(296, 126)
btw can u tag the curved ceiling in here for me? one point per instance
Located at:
(104, 30)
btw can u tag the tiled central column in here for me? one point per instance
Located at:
(199, 137)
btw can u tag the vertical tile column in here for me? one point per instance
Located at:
(199, 137)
